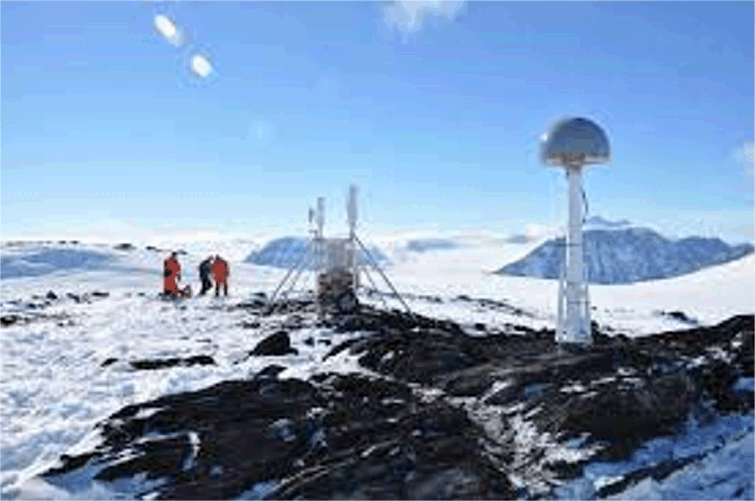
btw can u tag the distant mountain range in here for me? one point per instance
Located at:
(431, 244)
(287, 252)
(616, 253)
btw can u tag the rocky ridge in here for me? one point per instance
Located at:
(438, 414)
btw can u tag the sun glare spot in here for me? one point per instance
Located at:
(201, 65)
(167, 28)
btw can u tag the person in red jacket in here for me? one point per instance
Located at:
(172, 274)
(220, 273)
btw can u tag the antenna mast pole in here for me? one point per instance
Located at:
(576, 330)
(319, 252)
(320, 237)
(353, 263)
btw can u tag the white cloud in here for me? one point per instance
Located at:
(744, 155)
(748, 153)
(540, 231)
(112, 231)
(410, 16)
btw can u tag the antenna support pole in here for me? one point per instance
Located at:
(577, 328)
(319, 246)
(351, 208)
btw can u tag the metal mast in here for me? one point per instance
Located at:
(353, 261)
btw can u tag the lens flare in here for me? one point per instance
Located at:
(201, 65)
(167, 28)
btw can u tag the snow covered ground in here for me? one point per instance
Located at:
(54, 388)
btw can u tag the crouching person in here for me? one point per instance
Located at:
(172, 274)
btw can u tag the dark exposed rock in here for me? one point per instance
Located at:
(7, 320)
(293, 322)
(124, 247)
(250, 325)
(657, 472)
(13, 319)
(681, 316)
(254, 304)
(100, 294)
(109, 361)
(347, 437)
(428, 347)
(51, 296)
(620, 391)
(270, 372)
(172, 362)
(277, 344)
(290, 306)
(75, 297)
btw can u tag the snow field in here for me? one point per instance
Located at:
(54, 387)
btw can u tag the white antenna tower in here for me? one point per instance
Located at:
(573, 144)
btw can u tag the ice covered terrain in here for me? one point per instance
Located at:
(616, 253)
(67, 357)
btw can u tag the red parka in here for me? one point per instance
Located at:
(220, 270)
(172, 273)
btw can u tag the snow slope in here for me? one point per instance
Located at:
(44, 260)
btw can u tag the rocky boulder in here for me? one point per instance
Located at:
(277, 344)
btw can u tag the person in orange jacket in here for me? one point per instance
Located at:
(220, 272)
(172, 274)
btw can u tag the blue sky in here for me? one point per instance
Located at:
(436, 119)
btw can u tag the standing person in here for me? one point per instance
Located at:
(220, 272)
(205, 268)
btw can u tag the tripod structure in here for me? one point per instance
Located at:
(339, 265)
